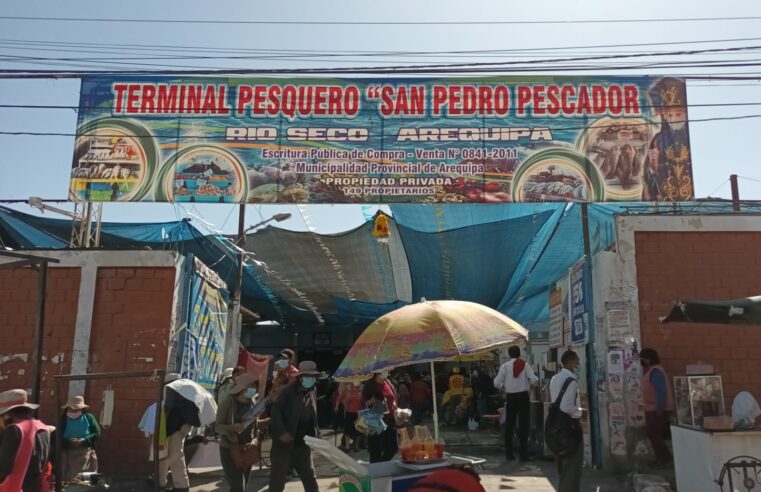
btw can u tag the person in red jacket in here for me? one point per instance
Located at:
(420, 398)
(379, 390)
(350, 396)
(25, 446)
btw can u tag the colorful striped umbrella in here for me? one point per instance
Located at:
(428, 331)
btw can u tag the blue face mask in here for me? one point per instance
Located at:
(282, 363)
(308, 382)
(250, 393)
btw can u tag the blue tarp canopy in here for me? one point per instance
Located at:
(503, 256)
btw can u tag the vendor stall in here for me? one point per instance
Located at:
(386, 476)
(700, 455)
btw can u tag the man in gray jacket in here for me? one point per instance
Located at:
(293, 417)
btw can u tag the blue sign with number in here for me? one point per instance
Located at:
(580, 305)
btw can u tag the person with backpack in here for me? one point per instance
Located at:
(25, 446)
(563, 432)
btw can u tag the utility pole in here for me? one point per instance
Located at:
(234, 324)
(735, 192)
(232, 340)
(594, 410)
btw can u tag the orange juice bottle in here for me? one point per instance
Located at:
(417, 443)
(439, 450)
(428, 444)
(405, 445)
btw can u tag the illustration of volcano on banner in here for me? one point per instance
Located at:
(470, 140)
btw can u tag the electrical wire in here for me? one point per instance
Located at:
(500, 64)
(371, 52)
(723, 184)
(21, 74)
(377, 23)
(291, 53)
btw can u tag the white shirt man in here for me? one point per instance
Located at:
(569, 466)
(515, 377)
(570, 402)
(508, 383)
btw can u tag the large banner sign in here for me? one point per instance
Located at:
(489, 140)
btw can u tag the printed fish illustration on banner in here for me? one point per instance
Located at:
(409, 140)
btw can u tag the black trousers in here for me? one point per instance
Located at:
(569, 468)
(298, 455)
(383, 446)
(518, 408)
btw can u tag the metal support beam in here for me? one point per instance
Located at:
(24, 256)
(594, 402)
(39, 332)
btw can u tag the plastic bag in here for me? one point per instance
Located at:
(472, 424)
(370, 422)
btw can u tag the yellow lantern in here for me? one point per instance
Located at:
(380, 229)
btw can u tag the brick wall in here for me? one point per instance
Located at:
(701, 265)
(130, 330)
(18, 317)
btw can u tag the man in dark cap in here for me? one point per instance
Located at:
(293, 417)
(668, 170)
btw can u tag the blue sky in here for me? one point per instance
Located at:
(40, 166)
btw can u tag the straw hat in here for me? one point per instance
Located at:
(226, 374)
(15, 398)
(243, 381)
(76, 403)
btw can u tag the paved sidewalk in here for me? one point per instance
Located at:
(497, 476)
(502, 477)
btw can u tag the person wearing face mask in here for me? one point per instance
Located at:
(283, 374)
(379, 390)
(668, 169)
(235, 434)
(658, 400)
(25, 446)
(227, 380)
(294, 416)
(80, 431)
